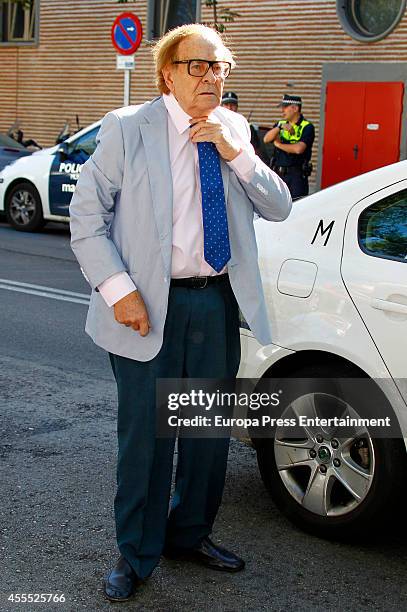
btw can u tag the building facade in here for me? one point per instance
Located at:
(57, 61)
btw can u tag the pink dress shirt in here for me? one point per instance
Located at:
(187, 231)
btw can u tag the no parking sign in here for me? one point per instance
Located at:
(126, 38)
(126, 33)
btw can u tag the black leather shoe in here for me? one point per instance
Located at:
(120, 583)
(209, 554)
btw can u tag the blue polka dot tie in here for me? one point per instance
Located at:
(215, 223)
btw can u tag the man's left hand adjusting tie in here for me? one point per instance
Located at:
(215, 223)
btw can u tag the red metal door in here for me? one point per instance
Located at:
(382, 125)
(362, 128)
(344, 109)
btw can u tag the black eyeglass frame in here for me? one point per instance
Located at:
(210, 65)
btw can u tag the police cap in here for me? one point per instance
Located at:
(229, 97)
(288, 99)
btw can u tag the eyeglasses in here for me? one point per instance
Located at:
(198, 67)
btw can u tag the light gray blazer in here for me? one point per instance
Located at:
(121, 219)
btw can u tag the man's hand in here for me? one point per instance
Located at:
(132, 312)
(288, 127)
(209, 130)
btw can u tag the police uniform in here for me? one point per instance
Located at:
(294, 168)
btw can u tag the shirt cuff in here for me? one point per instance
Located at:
(116, 287)
(243, 165)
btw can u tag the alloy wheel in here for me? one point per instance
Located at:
(328, 471)
(22, 207)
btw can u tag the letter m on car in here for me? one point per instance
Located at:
(322, 231)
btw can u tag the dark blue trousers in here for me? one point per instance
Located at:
(296, 182)
(201, 340)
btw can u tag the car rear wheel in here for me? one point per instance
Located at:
(328, 485)
(24, 208)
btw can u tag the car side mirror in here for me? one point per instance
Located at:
(63, 151)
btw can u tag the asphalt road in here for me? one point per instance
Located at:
(57, 476)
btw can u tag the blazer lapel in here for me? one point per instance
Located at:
(155, 140)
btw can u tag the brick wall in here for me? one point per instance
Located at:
(73, 70)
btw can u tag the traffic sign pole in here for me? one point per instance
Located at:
(127, 83)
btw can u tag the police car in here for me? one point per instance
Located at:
(38, 188)
(335, 280)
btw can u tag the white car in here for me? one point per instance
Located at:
(39, 188)
(335, 279)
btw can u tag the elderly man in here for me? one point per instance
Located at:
(162, 226)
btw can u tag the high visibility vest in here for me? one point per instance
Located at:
(298, 129)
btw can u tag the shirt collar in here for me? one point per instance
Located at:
(178, 116)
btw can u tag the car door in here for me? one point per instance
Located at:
(374, 270)
(65, 170)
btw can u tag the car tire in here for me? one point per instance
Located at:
(24, 208)
(369, 516)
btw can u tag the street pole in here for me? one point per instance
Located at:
(127, 80)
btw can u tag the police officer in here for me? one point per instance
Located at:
(230, 101)
(293, 138)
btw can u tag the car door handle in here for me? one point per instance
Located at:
(389, 306)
